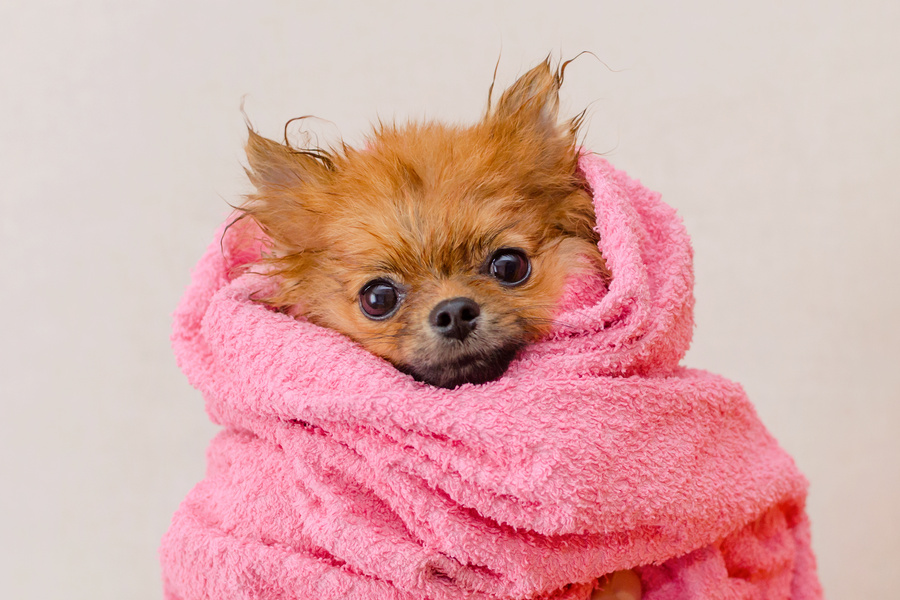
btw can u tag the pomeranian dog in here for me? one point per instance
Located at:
(440, 248)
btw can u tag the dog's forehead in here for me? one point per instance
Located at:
(436, 198)
(417, 235)
(406, 235)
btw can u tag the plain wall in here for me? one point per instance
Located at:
(771, 126)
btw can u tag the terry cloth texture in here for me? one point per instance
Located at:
(337, 477)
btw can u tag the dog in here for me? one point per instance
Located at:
(442, 249)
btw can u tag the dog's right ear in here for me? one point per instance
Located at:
(276, 167)
(287, 204)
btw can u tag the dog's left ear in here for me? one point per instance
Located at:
(533, 100)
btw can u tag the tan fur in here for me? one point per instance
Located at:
(426, 205)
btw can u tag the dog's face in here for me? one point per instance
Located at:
(442, 249)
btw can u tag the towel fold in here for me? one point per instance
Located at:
(336, 476)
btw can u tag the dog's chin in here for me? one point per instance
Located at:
(476, 368)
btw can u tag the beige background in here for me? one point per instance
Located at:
(772, 126)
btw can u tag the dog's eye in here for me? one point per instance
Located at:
(379, 298)
(510, 266)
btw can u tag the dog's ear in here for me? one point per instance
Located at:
(276, 167)
(533, 99)
(288, 198)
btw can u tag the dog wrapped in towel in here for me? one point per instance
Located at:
(336, 476)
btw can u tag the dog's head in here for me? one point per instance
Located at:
(443, 249)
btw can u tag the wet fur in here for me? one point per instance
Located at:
(426, 204)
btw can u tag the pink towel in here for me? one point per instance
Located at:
(335, 476)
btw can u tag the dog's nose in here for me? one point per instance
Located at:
(455, 318)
